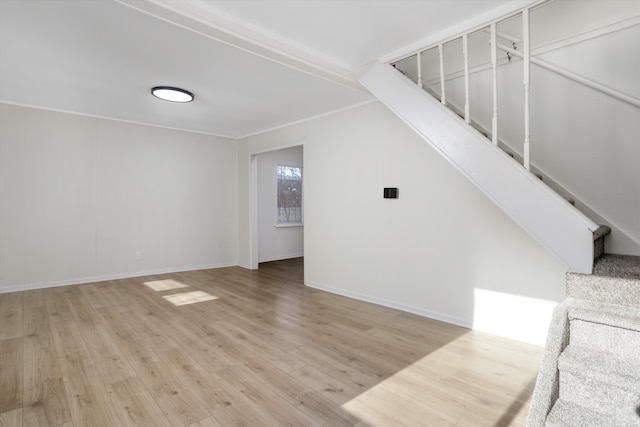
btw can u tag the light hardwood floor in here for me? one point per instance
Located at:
(266, 351)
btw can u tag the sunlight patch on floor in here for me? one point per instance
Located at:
(404, 399)
(165, 285)
(441, 390)
(189, 297)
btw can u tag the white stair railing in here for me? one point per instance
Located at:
(526, 55)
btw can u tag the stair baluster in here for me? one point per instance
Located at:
(526, 80)
(494, 66)
(443, 96)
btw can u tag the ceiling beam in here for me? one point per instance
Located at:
(196, 17)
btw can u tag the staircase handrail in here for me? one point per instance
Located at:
(576, 78)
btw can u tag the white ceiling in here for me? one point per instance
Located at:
(352, 33)
(252, 64)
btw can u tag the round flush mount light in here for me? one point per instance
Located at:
(173, 94)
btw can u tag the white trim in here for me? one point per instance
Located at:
(233, 138)
(281, 257)
(248, 267)
(601, 31)
(94, 279)
(276, 148)
(308, 119)
(95, 116)
(285, 226)
(253, 213)
(253, 200)
(465, 323)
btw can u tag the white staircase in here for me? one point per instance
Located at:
(554, 84)
(590, 372)
(546, 216)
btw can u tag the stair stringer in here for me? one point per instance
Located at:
(560, 228)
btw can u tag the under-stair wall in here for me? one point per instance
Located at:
(546, 216)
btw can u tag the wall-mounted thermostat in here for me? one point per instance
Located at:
(390, 193)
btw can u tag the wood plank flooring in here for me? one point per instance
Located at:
(263, 350)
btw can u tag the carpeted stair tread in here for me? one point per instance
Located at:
(607, 314)
(567, 414)
(590, 371)
(606, 288)
(601, 366)
(596, 395)
(621, 266)
(623, 342)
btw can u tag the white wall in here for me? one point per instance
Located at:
(442, 249)
(80, 196)
(276, 242)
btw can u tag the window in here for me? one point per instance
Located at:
(289, 197)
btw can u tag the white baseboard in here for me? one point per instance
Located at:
(247, 266)
(280, 257)
(394, 304)
(93, 279)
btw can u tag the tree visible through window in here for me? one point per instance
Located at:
(289, 187)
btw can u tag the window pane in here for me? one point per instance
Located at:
(289, 195)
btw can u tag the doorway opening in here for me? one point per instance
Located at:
(277, 205)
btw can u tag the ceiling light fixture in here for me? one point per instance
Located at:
(173, 94)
